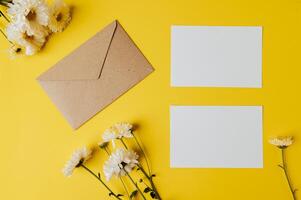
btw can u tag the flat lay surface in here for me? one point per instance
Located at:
(37, 140)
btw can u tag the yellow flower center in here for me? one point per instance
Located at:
(29, 38)
(31, 16)
(59, 17)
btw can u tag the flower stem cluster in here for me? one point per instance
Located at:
(120, 164)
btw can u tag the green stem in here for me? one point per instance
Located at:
(144, 154)
(107, 151)
(125, 188)
(124, 143)
(4, 4)
(103, 183)
(284, 167)
(135, 185)
(5, 36)
(150, 178)
(123, 184)
(2, 14)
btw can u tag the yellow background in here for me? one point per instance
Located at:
(36, 140)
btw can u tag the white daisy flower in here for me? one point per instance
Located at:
(282, 142)
(120, 163)
(31, 16)
(31, 43)
(117, 131)
(109, 136)
(60, 16)
(78, 157)
(124, 130)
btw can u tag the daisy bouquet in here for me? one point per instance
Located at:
(123, 164)
(31, 22)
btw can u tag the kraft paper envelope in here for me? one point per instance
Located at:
(95, 74)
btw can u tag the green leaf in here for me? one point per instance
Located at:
(153, 175)
(111, 193)
(146, 190)
(119, 195)
(98, 175)
(140, 180)
(134, 193)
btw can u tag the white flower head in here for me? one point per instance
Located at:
(124, 130)
(117, 131)
(60, 16)
(109, 136)
(78, 157)
(120, 163)
(282, 142)
(30, 11)
(31, 16)
(31, 43)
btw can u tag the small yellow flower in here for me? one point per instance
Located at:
(282, 142)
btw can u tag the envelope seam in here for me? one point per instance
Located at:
(104, 61)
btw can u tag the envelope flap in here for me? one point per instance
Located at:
(86, 62)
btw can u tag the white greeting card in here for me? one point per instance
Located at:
(216, 56)
(216, 137)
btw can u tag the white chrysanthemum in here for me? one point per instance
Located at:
(78, 157)
(124, 130)
(109, 136)
(31, 11)
(120, 130)
(60, 16)
(282, 142)
(31, 16)
(31, 43)
(117, 131)
(120, 163)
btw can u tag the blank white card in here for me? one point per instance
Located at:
(216, 137)
(216, 56)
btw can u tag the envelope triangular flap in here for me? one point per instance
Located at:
(86, 62)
